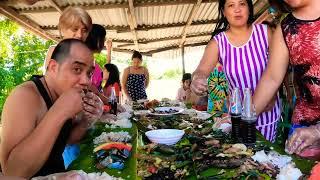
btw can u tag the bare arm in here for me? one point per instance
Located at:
(80, 128)
(178, 96)
(208, 62)
(94, 89)
(48, 57)
(286, 85)
(147, 77)
(275, 72)
(188, 95)
(26, 146)
(271, 103)
(92, 111)
(193, 98)
(124, 81)
(109, 47)
(269, 36)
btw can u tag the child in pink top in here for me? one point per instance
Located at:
(96, 78)
(184, 92)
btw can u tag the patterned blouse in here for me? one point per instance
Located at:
(136, 86)
(217, 91)
(303, 41)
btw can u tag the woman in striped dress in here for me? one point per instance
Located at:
(242, 48)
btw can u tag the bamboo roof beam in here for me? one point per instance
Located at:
(55, 5)
(25, 22)
(133, 23)
(116, 5)
(175, 47)
(85, 7)
(146, 41)
(125, 29)
(194, 11)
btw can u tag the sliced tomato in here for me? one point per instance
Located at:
(113, 145)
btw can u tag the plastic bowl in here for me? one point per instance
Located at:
(165, 136)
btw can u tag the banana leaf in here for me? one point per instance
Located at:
(85, 161)
(304, 165)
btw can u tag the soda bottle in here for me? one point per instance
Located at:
(113, 101)
(235, 113)
(248, 120)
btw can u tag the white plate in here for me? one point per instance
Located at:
(203, 115)
(178, 109)
(141, 112)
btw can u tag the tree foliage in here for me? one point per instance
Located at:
(171, 74)
(21, 55)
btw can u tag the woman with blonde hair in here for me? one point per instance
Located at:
(74, 23)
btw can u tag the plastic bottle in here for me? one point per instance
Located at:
(113, 101)
(235, 113)
(248, 120)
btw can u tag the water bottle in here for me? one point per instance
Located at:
(248, 120)
(235, 113)
(113, 101)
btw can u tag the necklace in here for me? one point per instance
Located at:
(44, 79)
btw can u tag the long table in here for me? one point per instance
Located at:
(85, 160)
(86, 163)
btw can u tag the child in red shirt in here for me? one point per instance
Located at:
(111, 79)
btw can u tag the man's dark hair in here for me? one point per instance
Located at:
(96, 38)
(136, 54)
(62, 50)
(186, 76)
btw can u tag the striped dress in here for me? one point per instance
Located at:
(244, 66)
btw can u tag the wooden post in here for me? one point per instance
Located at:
(182, 55)
(132, 21)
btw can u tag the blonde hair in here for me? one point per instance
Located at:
(72, 16)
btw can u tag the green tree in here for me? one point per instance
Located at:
(21, 55)
(100, 59)
(171, 74)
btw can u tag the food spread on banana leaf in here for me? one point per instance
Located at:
(153, 104)
(200, 149)
(114, 150)
(203, 152)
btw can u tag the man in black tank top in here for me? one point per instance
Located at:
(38, 117)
